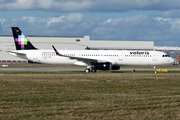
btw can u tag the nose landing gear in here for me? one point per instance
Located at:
(155, 70)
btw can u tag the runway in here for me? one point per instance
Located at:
(41, 69)
(71, 69)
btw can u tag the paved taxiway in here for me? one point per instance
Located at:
(41, 69)
(71, 69)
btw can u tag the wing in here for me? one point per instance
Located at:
(85, 60)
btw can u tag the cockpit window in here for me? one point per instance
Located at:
(165, 56)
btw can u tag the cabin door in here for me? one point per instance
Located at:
(35, 56)
(120, 57)
(154, 56)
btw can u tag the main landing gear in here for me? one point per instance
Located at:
(88, 70)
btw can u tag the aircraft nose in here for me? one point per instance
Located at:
(171, 61)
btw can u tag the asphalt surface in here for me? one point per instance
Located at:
(41, 69)
(69, 69)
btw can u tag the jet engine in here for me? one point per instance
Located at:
(105, 66)
(102, 66)
(115, 67)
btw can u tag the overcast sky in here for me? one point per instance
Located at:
(142, 20)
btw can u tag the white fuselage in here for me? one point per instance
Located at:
(116, 57)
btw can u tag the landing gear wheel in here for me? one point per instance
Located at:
(87, 70)
(155, 70)
(93, 70)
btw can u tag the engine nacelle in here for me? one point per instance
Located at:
(102, 66)
(115, 67)
(105, 66)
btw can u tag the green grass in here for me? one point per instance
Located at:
(103, 95)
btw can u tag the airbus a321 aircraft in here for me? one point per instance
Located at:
(93, 59)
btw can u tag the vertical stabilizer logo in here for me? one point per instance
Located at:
(22, 40)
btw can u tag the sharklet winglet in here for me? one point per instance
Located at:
(57, 53)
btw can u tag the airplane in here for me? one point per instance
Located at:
(93, 59)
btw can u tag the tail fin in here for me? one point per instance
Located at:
(21, 42)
